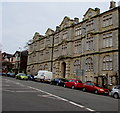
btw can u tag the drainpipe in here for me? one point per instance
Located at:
(118, 42)
(52, 54)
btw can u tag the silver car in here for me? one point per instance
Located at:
(116, 91)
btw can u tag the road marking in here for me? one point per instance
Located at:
(73, 103)
(9, 90)
(25, 91)
(47, 96)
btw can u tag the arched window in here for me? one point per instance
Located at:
(76, 65)
(107, 63)
(89, 64)
(45, 67)
(40, 67)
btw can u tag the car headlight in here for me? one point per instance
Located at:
(101, 89)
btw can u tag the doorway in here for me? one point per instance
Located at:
(63, 69)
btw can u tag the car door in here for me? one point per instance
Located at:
(69, 83)
(90, 86)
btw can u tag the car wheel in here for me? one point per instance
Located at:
(64, 85)
(57, 84)
(96, 91)
(83, 89)
(73, 87)
(115, 95)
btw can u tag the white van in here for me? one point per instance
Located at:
(44, 75)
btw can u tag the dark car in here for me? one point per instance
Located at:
(30, 77)
(73, 83)
(58, 81)
(96, 88)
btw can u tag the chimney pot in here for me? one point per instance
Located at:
(112, 4)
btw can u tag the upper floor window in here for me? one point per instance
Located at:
(47, 41)
(107, 40)
(42, 43)
(89, 43)
(90, 25)
(65, 34)
(56, 39)
(89, 64)
(78, 31)
(107, 20)
(64, 49)
(107, 63)
(77, 47)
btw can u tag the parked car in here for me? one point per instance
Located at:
(21, 76)
(96, 88)
(10, 74)
(30, 77)
(73, 83)
(58, 81)
(116, 91)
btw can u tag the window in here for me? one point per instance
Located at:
(47, 41)
(89, 43)
(89, 64)
(107, 40)
(90, 25)
(45, 67)
(107, 20)
(65, 34)
(107, 63)
(40, 67)
(64, 49)
(41, 43)
(76, 65)
(78, 31)
(35, 45)
(77, 47)
(56, 40)
(47, 55)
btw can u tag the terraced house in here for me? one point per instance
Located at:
(87, 49)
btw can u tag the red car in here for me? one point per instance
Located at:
(96, 88)
(73, 83)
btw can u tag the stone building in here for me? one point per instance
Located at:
(86, 50)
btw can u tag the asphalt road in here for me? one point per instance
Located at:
(21, 95)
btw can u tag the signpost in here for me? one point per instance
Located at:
(79, 72)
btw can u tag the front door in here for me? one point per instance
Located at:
(63, 69)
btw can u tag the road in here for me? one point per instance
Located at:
(21, 95)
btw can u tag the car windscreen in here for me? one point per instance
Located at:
(23, 74)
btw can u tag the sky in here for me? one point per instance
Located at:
(20, 20)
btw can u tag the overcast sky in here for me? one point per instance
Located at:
(20, 20)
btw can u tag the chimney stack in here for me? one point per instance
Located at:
(112, 4)
(76, 20)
